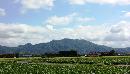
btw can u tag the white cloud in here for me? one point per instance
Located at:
(117, 35)
(119, 32)
(127, 14)
(67, 20)
(78, 2)
(2, 12)
(49, 27)
(123, 11)
(36, 4)
(55, 20)
(15, 34)
(113, 2)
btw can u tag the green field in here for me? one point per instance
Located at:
(66, 65)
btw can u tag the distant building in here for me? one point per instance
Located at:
(105, 54)
(25, 55)
(93, 54)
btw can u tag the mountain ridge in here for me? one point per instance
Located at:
(80, 45)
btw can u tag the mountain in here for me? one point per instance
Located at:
(82, 46)
(123, 50)
(54, 46)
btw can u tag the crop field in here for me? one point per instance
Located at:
(66, 65)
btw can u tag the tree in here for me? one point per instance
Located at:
(112, 52)
(17, 55)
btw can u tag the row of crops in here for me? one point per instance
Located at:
(86, 60)
(13, 68)
(70, 65)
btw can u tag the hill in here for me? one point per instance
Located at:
(54, 46)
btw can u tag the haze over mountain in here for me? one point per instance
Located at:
(54, 46)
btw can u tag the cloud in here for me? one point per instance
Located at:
(113, 2)
(115, 35)
(15, 34)
(67, 20)
(78, 2)
(55, 20)
(35, 4)
(127, 14)
(119, 32)
(2, 12)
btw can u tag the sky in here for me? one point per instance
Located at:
(104, 22)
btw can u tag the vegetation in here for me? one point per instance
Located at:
(12, 68)
(66, 65)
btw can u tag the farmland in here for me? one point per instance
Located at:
(66, 65)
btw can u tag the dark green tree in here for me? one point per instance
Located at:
(112, 52)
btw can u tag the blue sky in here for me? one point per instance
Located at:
(36, 21)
